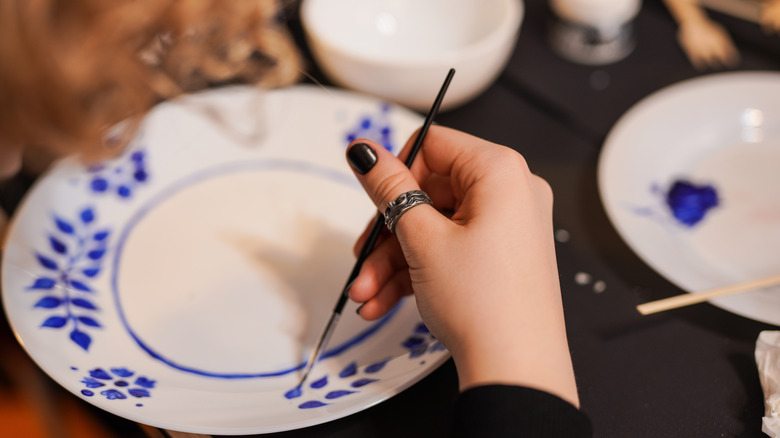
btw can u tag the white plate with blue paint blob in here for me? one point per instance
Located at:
(184, 283)
(690, 177)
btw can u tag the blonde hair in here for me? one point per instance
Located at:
(71, 69)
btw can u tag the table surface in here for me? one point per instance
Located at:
(683, 373)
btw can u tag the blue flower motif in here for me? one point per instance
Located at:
(74, 257)
(420, 342)
(374, 126)
(119, 378)
(123, 178)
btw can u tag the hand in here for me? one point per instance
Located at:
(485, 279)
(707, 44)
(770, 16)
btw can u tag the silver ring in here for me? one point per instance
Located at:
(402, 204)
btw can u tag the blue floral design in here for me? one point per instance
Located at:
(422, 342)
(73, 259)
(121, 379)
(375, 127)
(351, 378)
(122, 178)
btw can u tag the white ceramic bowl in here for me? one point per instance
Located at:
(401, 50)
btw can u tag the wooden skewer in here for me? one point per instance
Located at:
(694, 298)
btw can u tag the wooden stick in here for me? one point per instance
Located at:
(694, 298)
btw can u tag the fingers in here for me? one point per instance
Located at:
(388, 296)
(384, 177)
(384, 262)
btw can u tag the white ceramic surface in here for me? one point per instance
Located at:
(721, 130)
(402, 50)
(183, 284)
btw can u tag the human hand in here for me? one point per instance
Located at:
(485, 278)
(770, 16)
(707, 44)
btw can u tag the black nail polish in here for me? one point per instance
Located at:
(361, 157)
(358, 309)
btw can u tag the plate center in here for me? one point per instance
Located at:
(235, 273)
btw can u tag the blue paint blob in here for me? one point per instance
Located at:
(74, 368)
(317, 384)
(338, 394)
(120, 383)
(87, 392)
(311, 404)
(376, 367)
(361, 383)
(139, 404)
(293, 393)
(689, 203)
(99, 185)
(349, 370)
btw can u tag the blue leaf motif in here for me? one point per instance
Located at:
(49, 302)
(124, 191)
(349, 370)
(311, 404)
(87, 215)
(86, 320)
(81, 339)
(376, 367)
(101, 235)
(80, 286)
(96, 254)
(113, 394)
(320, 383)
(122, 372)
(144, 382)
(57, 245)
(84, 304)
(47, 262)
(293, 393)
(361, 382)
(338, 394)
(55, 322)
(64, 226)
(43, 283)
(99, 373)
(138, 392)
(91, 272)
(91, 383)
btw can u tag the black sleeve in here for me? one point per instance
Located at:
(514, 411)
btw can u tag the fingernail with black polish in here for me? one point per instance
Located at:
(361, 157)
(358, 309)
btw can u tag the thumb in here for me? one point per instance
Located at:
(384, 178)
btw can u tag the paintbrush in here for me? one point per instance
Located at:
(368, 246)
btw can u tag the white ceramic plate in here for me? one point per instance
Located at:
(183, 284)
(718, 133)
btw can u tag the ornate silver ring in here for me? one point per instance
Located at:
(402, 204)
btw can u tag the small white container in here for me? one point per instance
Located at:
(593, 32)
(401, 50)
